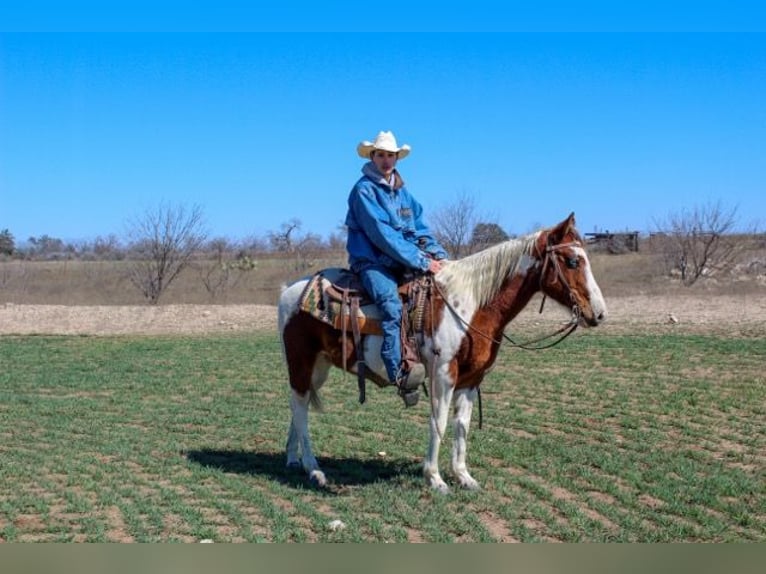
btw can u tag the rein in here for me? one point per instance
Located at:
(552, 249)
(567, 329)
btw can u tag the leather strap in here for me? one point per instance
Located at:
(360, 364)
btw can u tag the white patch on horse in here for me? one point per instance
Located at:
(288, 302)
(471, 282)
(480, 276)
(596, 298)
(372, 358)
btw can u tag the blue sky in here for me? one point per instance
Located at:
(258, 129)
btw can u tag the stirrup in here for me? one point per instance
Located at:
(412, 379)
(408, 384)
(410, 398)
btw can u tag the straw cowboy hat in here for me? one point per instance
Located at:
(384, 141)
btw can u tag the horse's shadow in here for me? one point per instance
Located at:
(345, 472)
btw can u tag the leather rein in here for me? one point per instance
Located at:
(566, 330)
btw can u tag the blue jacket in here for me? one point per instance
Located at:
(385, 226)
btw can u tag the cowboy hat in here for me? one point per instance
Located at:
(384, 141)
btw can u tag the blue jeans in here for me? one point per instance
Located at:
(382, 286)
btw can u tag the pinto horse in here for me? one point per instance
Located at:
(474, 300)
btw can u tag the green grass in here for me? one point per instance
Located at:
(603, 438)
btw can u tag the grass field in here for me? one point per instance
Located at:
(603, 438)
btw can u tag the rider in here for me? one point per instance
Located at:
(387, 237)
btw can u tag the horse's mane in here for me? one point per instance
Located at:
(482, 274)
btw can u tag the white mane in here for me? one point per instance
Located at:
(481, 274)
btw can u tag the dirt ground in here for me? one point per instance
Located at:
(741, 315)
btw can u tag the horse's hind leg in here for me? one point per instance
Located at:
(298, 438)
(293, 440)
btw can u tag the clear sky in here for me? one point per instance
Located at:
(258, 129)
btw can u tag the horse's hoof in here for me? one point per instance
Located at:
(440, 487)
(466, 481)
(471, 485)
(317, 478)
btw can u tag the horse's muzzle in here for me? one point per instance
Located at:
(592, 318)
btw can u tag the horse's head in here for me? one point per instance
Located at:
(566, 275)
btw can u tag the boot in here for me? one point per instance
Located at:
(408, 383)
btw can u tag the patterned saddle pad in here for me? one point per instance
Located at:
(323, 299)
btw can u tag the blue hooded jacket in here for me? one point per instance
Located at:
(385, 226)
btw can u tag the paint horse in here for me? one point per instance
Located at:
(473, 301)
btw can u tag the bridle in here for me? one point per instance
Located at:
(573, 263)
(565, 330)
(562, 333)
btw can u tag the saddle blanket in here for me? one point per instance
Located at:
(322, 298)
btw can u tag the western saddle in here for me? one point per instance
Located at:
(336, 297)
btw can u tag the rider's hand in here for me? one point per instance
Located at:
(435, 266)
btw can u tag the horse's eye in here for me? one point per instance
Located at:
(572, 262)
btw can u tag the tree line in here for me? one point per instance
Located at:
(114, 247)
(163, 241)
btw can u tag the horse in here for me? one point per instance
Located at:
(474, 299)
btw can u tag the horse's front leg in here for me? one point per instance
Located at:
(442, 396)
(464, 399)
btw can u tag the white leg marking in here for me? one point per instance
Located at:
(464, 399)
(300, 427)
(293, 460)
(442, 389)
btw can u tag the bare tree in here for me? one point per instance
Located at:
(163, 242)
(7, 242)
(452, 224)
(226, 268)
(46, 247)
(107, 247)
(253, 245)
(284, 239)
(698, 242)
(485, 235)
(336, 241)
(301, 248)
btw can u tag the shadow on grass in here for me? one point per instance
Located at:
(340, 472)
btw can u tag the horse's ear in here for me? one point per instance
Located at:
(561, 230)
(570, 222)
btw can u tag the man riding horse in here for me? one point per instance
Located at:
(387, 238)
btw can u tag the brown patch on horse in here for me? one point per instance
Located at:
(305, 339)
(481, 344)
